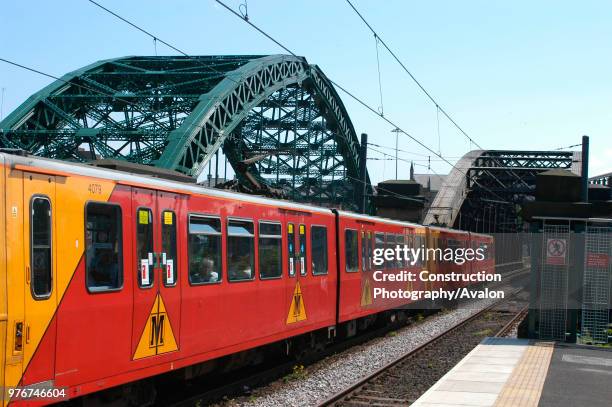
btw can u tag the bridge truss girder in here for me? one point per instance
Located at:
(485, 190)
(277, 119)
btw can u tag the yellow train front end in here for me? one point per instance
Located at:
(37, 205)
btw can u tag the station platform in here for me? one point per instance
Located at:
(522, 373)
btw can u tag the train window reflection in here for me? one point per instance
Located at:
(401, 261)
(318, 246)
(390, 244)
(351, 250)
(40, 258)
(302, 248)
(370, 239)
(103, 256)
(291, 249)
(144, 247)
(169, 258)
(270, 250)
(364, 250)
(240, 250)
(204, 250)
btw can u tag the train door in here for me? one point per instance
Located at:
(157, 291)
(39, 329)
(297, 267)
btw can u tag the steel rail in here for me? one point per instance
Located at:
(518, 318)
(355, 387)
(274, 372)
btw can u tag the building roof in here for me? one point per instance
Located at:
(436, 180)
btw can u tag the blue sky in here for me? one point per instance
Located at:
(514, 75)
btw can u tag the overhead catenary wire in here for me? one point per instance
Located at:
(182, 52)
(85, 87)
(370, 108)
(413, 153)
(566, 147)
(333, 82)
(57, 78)
(397, 194)
(355, 98)
(60, 79)
(243, 16)
(392, 158)
(431, 98)
(380, 92)
(438, 128)
(155, 39)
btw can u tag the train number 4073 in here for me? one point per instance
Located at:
(95, 188)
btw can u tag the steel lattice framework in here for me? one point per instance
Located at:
(277, 119)
(484, 191)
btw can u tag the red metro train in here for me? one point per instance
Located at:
(110, 278)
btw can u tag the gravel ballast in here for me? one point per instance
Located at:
(332, 374)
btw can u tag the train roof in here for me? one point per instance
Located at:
(63, 167)
(445, 229)
(379, 219)
(31, 163)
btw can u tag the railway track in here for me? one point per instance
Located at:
(403, 380)
(513, 323)
(241, 385)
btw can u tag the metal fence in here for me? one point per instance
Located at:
(553, 281)
(596, 285)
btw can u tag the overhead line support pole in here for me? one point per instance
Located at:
(585, 169)
(363, 158)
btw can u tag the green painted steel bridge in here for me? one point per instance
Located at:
(276, 119)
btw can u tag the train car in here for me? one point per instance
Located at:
(446, 240)
(358, 237)
(117, 277)
(486, 244)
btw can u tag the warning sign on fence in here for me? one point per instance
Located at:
(597, 260)
(556, 250)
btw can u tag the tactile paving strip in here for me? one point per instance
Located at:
(525, 384)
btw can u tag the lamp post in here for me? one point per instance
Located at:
(397, 131)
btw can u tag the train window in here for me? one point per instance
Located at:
(144, 247)
(270, 250)
(318, 246)
(485, 251)
(303, 259)
(370, 250)
(240, 250)
(390, 244)
(204, 250)
(409, 242)
(169, 259)
(291, 248)
(401, 262)
(364, 250)
(40, 257)
(419, 243)
(103, 249)
(454, 245)
(351, 250)
(379, 241)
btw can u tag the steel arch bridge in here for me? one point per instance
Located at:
(277, 120)
(485, 189)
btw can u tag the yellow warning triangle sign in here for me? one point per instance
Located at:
(297, 310)
(157, 336)
(366, 293)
